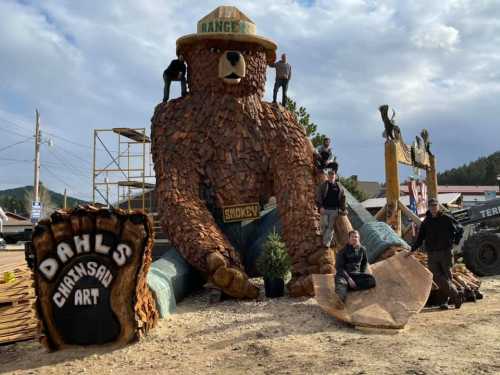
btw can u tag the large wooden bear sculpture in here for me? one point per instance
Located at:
(247, 150)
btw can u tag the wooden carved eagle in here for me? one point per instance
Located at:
(391, 130)
(427, 143)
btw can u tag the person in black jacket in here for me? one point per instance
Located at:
(351, 265)
(438, 232)
(176, 71)
(330, 200)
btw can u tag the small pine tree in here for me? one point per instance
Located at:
(274, 262)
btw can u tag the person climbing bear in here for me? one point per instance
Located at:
(176, 71)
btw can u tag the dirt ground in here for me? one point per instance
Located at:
(285, 336)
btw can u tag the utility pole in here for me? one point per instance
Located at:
(36, 193)
(65, 199)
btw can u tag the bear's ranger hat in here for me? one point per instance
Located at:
(229, 23)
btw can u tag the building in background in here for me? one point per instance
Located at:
(471, 195)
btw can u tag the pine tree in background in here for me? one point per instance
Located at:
(491, 173)
(304, 119)
(351, 185)
(482, 171)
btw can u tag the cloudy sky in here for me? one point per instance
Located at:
(98, 64)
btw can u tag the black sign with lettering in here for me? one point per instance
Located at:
(83, 272)
(90, 276)
(82, 302)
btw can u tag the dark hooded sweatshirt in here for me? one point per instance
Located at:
(437, 232)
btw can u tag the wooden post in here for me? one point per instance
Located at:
(408, 213)
(432, 184)
(393, 213)
(380, 213)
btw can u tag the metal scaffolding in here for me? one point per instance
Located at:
(123, 177)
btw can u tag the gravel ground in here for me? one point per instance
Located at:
(285, 336)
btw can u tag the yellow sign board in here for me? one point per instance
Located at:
(240, 212)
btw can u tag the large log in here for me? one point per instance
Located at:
(403, 286)
(90, 276)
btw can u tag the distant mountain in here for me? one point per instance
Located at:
(18, 200)
(482, 171)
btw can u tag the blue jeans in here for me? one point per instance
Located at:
(283, 83)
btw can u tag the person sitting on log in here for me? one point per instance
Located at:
(323, 156)
(352, 272)
(331, 202)
(176, 71)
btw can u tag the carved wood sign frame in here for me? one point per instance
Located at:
(90, 276)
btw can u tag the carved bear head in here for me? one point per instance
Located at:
(225, 67)
(226, 56)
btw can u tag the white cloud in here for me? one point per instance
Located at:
(437, 36)
(93, 64)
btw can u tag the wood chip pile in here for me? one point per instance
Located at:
(18, 320)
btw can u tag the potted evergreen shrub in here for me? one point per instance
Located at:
(274, 264)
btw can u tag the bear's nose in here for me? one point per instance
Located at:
(233, 57)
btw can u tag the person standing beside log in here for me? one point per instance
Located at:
(331, 202)
(351, 264)
(438, 232)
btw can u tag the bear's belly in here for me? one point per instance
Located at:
(240, 184)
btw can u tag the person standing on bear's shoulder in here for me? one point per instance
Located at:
(324, 157)
(439, 231)
(331, 202)
(352, 273)
(176, 71)
(283, 76)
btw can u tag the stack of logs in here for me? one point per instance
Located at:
(18, 320)
(463, 279)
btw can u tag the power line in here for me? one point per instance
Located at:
(50, 133)
(74, 155)
(14, 132)
(15, 144)
(55, 165)
(47, 169)
(67, 164)
(16, 124)
(69, 141)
